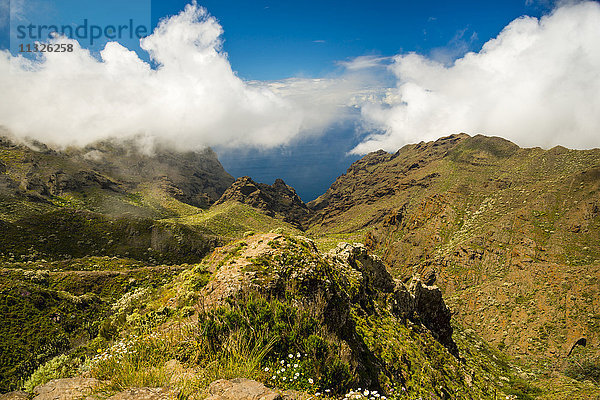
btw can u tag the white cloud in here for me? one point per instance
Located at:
(365, 62)
(193, 98)
(537, 84)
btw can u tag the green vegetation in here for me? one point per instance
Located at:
(67, 233)
(46, 314)
(120, 276)
(232, 220)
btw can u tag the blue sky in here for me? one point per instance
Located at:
(271, 40)
(299, 90)
(281, 39)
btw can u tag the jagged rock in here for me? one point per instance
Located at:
(66, 389)
(420, 302)
(277, 200)
(433, 312)
(241, 389)
(402, 303)
(371, 266)
(429, 277)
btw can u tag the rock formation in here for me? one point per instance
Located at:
(277, 200)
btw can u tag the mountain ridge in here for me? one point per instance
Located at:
(480, 210)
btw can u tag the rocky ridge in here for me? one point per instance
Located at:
(364, 273)
(277, 200)
(511, 233)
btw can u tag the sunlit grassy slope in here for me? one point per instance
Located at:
(233, 220)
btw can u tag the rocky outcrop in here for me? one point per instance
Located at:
(429, 306)
(364, 279)
(419, 302)
(277, 200)
(372, 269)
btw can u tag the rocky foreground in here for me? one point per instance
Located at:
(272, 308)
(89, 389)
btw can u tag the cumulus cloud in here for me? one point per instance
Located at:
(192, 98)
(536, 83)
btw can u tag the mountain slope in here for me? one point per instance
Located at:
(108, 177)
(511, 233)
(329, 323)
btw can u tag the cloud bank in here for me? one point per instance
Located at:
(192, 98)
(537, 83)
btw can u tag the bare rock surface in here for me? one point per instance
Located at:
(16, 395)
(87, 388)
(66, 389)
(241, 389)
(276, 200)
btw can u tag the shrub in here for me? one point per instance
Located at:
(59, 367)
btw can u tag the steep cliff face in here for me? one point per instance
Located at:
(194, 177)
(105, 199)
(512, 233)
(277, 200)
(107, 170)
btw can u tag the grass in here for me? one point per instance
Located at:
(232, 220)
(67, 233)
(153, 197)
(252, 334)
(45, 314)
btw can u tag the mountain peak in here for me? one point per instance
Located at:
(278, 199)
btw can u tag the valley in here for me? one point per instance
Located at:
(470, 270)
